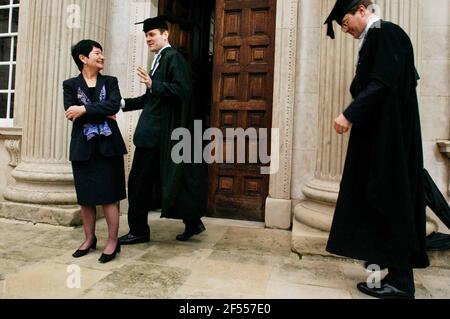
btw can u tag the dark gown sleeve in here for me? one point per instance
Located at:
(178, 87)
(364, 105)
(137, 103)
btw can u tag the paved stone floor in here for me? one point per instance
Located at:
(230, 260)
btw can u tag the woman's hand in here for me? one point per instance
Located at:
(75, 111)
(145, 77)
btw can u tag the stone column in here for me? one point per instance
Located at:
(128, 50)
(313, 217)
(44, 191)
(278, 204)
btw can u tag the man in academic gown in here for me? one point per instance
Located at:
(156, 180)
(380, 213)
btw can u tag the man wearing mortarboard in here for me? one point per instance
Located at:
(380, 213)
(156, 181)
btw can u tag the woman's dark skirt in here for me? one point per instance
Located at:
(99, 181)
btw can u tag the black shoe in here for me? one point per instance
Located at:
(83, 252)
(130, 239)
(191, 231)
(386, 291)
(104, 258)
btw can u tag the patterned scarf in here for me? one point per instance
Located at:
(92, 130)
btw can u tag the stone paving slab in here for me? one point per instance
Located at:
(231, 260)
(49, 281)
(144, 280)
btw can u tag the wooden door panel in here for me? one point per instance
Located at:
(179, 18)
(242, 98)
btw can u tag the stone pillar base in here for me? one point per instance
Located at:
(311, 241)
(278, 213)
(54, 215)
(308, 241)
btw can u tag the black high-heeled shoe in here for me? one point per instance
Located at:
(83, 252)
(104, 258)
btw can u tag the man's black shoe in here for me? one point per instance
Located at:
(130, 239)
(386, 291)
(191, 231)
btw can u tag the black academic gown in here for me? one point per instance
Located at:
(166, 107)
(380, 213)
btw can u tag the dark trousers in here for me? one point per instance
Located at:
(143, 189)
(401, 278)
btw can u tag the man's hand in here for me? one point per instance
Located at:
(112, 117)
(145, 77)
(74, 112)
(341, 124)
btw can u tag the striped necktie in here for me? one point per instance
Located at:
(155, 64)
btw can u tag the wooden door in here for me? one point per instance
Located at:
(179, 17)
(242, 98)
(189, 32)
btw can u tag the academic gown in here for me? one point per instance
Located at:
(167, 106)
(380, 213)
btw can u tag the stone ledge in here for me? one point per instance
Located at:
(311, 242)
(439, 259)
(54, 215)
(7, 133)
(308, 241)
(444, 147)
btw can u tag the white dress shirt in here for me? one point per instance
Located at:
(156, 59)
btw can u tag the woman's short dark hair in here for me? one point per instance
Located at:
(84, 47)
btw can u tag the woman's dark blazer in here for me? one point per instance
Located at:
(96, 113)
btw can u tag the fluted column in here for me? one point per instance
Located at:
(44, 191)
(313, 217)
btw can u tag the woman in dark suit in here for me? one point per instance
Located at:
(91, 101)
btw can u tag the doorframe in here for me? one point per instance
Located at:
(278, 212)
(279, 203)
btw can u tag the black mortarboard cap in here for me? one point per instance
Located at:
(341, 8)
(154, 23)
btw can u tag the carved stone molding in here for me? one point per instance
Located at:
(284, 95)
(278, 204)
(12, 137)
(13, 148)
